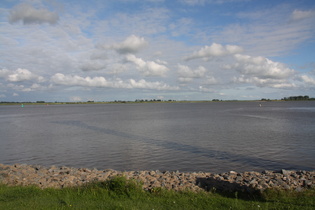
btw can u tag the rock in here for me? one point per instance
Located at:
(285, 172)
(59, 177)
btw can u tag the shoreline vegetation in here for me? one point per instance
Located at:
(291, 98)
(32, 186)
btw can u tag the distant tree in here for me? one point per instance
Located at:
(296, 98)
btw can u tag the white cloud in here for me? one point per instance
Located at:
(23, 75)
(148, 68)
(215, 50)
(24, 88)
(301, 14)
(30, 15)
(68, 80)
(262, 72)
(264, 82)
(147, 40)
(202, 2)
(261, 67)
(192, 2)
(307, 79)
(150, 85)
(131, 44)
(186, 74)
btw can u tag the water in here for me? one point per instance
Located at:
(213, 137)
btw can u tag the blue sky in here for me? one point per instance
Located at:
(55, 50)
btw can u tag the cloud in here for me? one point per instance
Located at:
(202, 2)
(20, 75)
(262, 72)
(261, 67)
(131, 44)
(30, 15)
(93, 66)
(148, 68)
(75, 98)
(210, 80)
(300, 14)
(23, 88)
(186, 74)
(4, 72)
(259, 82)
(68, 80)
(150, 85)
(307, 79)
(214, 50)
(192, 2)
(269, 32)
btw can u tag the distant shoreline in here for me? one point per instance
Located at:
(145, 102)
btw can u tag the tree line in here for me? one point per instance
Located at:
(297, 98)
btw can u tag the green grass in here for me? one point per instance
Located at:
(119, 193)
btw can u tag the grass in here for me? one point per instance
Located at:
(119, 193)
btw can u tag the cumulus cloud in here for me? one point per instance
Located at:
(267, 82)
(261, 67)
(25, 88)
(187, 74)
(262, 72)
(30, 15)
(131, 44)
(301, 14)
(148, 68)
(215, 50)
(69, 80)
(150, 85)
(20, 75)
(307, 79)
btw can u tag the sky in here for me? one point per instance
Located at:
(76, 50)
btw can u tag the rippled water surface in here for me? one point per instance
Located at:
(214, 137)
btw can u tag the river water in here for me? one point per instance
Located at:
(213, 136)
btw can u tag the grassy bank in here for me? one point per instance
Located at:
(119, 193)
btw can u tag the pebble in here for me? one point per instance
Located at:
(59, 177)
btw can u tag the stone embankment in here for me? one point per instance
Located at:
(59, 177)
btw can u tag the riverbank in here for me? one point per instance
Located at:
(249, 182)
